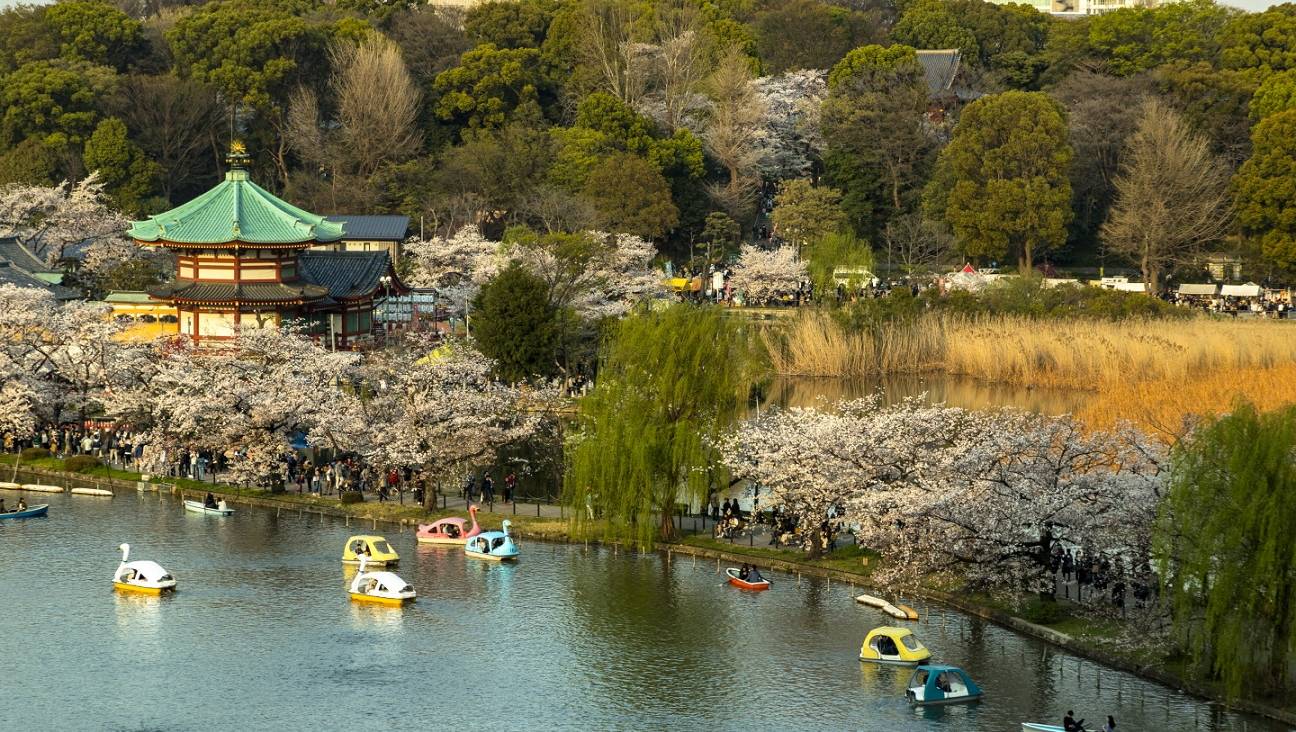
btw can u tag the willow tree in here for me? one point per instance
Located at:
(669, 382)
(1226, 550)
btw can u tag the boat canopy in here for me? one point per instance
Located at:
(147, 569)
(388, 580)
(1190, 289)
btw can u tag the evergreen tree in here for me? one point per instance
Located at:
(513, 323)
(129, 176)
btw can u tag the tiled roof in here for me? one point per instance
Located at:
(940, 67)
(12, 250)
(372, 228)
(236, 210)
(347, 274)
(11, 274)
(269, 292)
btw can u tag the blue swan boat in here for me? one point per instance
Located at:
(496, 546)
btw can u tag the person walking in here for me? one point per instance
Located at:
(488, 489)
(510, 484)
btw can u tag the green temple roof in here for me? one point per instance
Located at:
(236, 210)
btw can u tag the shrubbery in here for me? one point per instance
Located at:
(34, 453)
(82, 463)
(352, 497)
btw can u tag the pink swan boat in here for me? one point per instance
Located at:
(449, 530)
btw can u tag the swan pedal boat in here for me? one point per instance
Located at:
(380, 588)
(449, 530)
(29, 512)
(931, 685)
(142, 576)
(38, 488)
(1041, 727)
(496, 546)
(899, 612)
(741, 583)
(200, 507)
(378, 553)
(91, 492)
(893, 646)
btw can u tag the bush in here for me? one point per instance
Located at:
(352, 497)
(82, 463)
(34, 453)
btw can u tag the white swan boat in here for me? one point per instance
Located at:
(143, 576)
(383, 588)
(199, 507)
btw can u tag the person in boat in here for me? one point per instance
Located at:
(22, 505)
(754, 575)
(1111, 724)
(209, 501)
(886, 646)
(2, 507)
(744, 572)
(1069, 723)
(452, 531)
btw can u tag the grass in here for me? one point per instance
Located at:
(1059, 353)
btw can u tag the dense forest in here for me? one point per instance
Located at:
(1061, 140)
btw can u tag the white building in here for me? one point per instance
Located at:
(1083, 7)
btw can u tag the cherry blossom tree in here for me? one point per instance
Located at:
(246, 399)
(439, 410)
(456, 265)
(56, 222)
(63, 356)
(766, 273)
(981, 496)
(790, 137)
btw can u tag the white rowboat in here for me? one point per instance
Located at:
(198, 507)
(899, 613)
(91, 492)
(40, 488)
(1040, 727)
(9, 486)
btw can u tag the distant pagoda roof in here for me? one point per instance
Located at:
(236, 211)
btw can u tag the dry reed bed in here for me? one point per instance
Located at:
(1084, 354)
(1162, 406)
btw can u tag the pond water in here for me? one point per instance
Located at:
(261, 635)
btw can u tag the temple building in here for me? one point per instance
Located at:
(243, 258)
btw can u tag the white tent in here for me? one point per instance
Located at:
(1130, 287)
(1250, 289)
(1187, 289)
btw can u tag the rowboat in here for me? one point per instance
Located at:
(37, 510)
(9, 486)
(38, 488)
(199, 507)
(899, 612)
(1041, 727)
(91, 492)
(736, 581)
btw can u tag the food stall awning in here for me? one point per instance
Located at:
(1250, 289)
(1187, 289)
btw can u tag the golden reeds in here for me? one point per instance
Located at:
(1077, 354)
(1161, 406)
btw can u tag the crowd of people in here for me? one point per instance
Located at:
(1102, 577)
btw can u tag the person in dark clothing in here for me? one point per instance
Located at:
(1069, 723)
